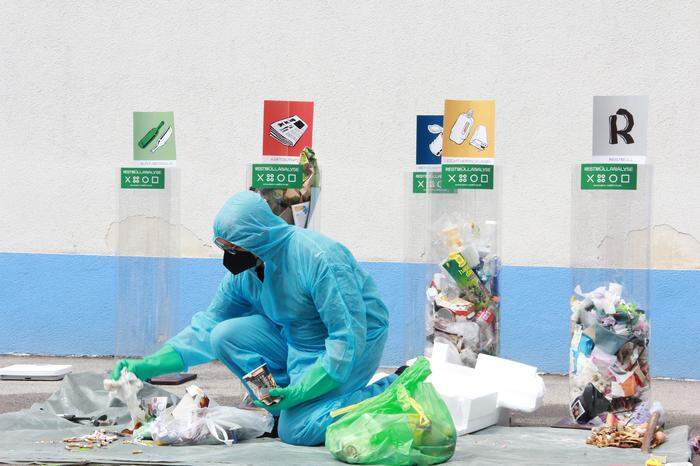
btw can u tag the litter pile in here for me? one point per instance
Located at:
(623, 437)
(295, 206)
(645, 436)
(463, 300)
(98, 439)
(194, 420)
(609, 357)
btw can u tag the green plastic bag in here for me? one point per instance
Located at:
(407, 424)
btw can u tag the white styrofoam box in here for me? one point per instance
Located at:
(472, 406)
(445, 353)
(518, 385)
(29, 371)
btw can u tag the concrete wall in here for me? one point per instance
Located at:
(72, 73)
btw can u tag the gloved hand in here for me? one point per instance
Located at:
(316, 382)
(165, 361)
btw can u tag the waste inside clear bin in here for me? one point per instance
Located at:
(609, 308)
(463, 297)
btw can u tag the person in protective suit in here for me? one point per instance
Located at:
(295, 300)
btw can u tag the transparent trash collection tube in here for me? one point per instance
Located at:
(416, 269)
(609, 306)
(148, 270)
(462, 298)
(299, 207)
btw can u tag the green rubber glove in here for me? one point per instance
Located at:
(165, 361)
(316, 382)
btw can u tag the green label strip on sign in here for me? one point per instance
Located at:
(277, 175)
(608, 176)
(143, 178)
(467, 176)
(419, 183)
(424, 182)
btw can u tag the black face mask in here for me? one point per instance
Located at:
(237, 263)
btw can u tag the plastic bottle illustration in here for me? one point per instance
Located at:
(462, 127)
(149, 136)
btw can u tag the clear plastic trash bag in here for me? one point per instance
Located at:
(211, 425)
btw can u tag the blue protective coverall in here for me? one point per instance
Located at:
(315, 301)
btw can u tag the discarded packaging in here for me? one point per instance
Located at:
(406, 424)
(624, 436)
(155, 406)
(694, 443)
(260, 380)
(476, 396)
(300, 213)
(31, 372)
(609, 356)
(194, 398)
(126, 389)
(194, 422)
(98, 439)
(462, 299)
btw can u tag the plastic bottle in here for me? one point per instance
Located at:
(462, 127)
(146, 140)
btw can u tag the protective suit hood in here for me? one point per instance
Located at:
(247, 221)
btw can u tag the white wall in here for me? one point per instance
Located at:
(72, 72)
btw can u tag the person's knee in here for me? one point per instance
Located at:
(297, 429)
(229, 335)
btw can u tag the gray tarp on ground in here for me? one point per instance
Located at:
(21, 433)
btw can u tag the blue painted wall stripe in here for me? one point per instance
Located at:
(66, 304)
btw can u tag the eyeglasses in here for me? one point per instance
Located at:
(227, 245)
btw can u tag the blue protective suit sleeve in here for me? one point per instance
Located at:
(338, 298)
(193, 343)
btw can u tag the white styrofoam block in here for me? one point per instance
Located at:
(36, 370)
(472, 405)
(518, 385)
(447, 353)
(475, 396)
(472, 412)
(499, 366)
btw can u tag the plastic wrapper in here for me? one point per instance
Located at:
(407, 424)
(463, 297)
(126, 389)
(211, 425)
(296, 206)
(260, 380)
(694, 440)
